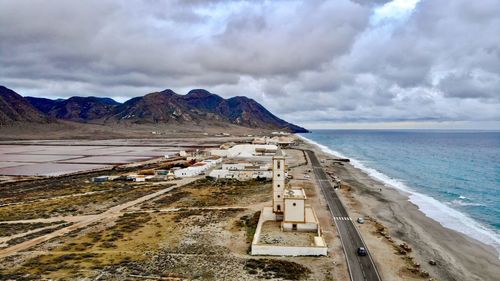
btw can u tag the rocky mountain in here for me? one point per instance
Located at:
(197, 108)
(42, 104)
(14, 108)
(80, 109)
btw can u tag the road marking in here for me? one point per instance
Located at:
(357, 268)
(342, 218)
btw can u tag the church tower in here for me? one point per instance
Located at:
(278, 181)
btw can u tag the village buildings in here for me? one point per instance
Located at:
(196, 169)
(242, 171)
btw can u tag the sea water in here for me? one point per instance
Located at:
(452, 176)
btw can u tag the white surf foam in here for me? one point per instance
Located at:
(464, 203)
(432, 208)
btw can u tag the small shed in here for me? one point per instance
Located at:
(100, 179)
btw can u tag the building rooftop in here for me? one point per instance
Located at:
(295, 193)
(279, 152)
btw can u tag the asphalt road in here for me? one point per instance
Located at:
(360, 267)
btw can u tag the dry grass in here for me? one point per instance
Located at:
(78, 205)
(276, 269)
(53, 187)
(207, 192)
(134, 239)
(9, 229)
(128, 240)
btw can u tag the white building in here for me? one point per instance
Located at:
(260, 140)
(281, 141)
(240, 175)
(223, 174)
(289, 208)
(242, 171)
(191, 171)
(246, 151)
(278, 182)
(236, 166)
(197, 168)
(136, 178)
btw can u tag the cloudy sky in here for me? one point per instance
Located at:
(320, 64)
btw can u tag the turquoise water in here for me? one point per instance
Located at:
(452, 176)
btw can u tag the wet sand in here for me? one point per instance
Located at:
(458, 257)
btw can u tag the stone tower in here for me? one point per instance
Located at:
(278, 181)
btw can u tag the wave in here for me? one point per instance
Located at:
(432, 208)
(463, 203)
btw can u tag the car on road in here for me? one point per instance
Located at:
(361, 220)
(361, 251)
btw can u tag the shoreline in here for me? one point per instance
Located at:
(446, 216)
(459, 256)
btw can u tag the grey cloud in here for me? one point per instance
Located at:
(307, 61)
(371, 2)
(307, 36)
(468, 85)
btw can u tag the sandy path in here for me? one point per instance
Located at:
(168, 210)
(84, 221)
(4, 240)
(49, 220)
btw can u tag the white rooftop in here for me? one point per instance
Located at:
(295, 193)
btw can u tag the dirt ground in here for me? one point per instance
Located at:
(273, 235)
(83, 201)
(198, 230)
(74, 130)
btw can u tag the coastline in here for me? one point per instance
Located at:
(458, 256)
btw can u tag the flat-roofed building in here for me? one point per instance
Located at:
(289, 213)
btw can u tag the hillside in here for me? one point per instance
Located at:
(14, 109)
(199, 107)
(80, 109)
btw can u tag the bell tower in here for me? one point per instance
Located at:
(278, 181)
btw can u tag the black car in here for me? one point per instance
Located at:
(361, 251)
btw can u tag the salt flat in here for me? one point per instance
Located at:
(106, 159)
(69, 157)
(48, 169)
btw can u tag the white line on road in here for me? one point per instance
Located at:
(342, 218)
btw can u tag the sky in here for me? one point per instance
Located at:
(319, 64)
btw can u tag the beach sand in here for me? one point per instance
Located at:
(458, 257)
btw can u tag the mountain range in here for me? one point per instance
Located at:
(198, 107)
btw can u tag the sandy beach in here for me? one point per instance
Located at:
(391, 220)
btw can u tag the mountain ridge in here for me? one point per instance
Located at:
(198, 107)
(15, 108)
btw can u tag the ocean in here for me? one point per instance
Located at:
(452, 176)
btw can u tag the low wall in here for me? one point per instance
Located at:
(269, 250)
(265, 215)
(320, 248)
